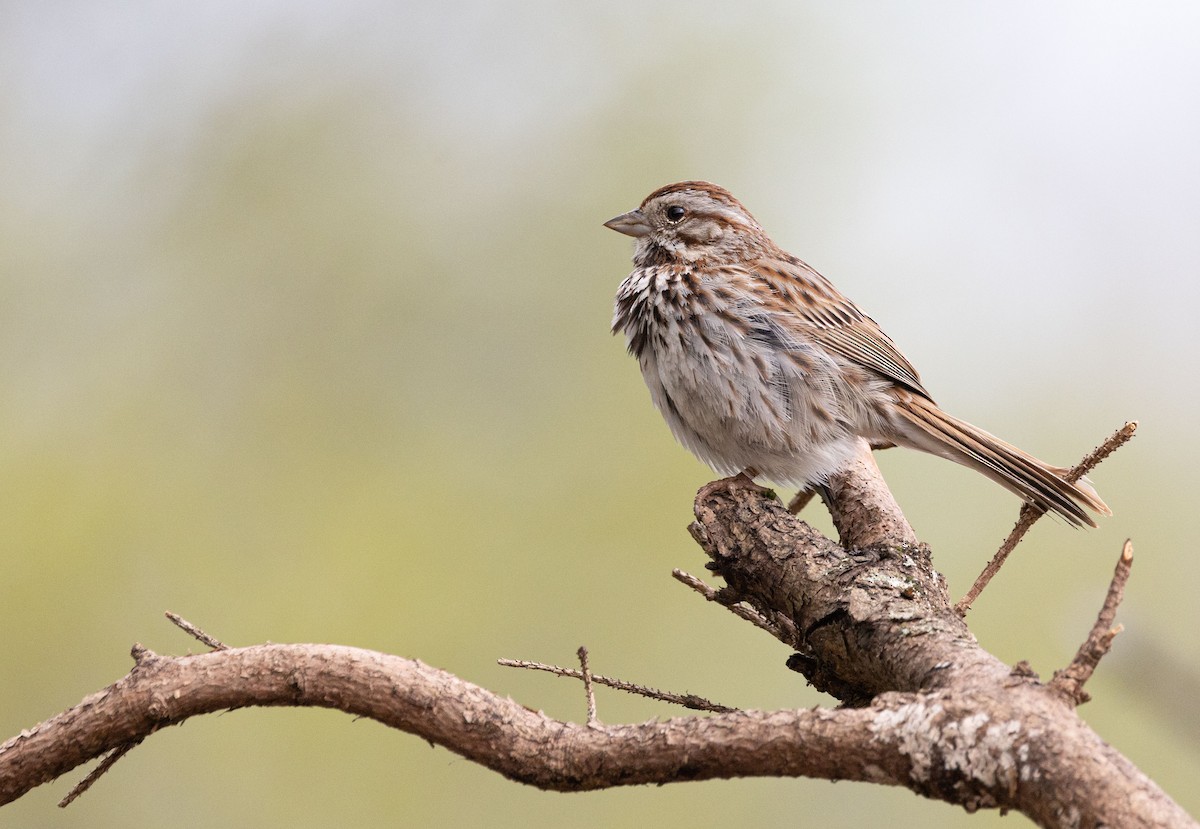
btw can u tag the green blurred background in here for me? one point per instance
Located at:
(304, 336)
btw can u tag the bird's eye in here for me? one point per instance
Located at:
(675, 214)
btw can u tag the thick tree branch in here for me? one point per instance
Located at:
(503, 735)
(878, 621)
(970, 759)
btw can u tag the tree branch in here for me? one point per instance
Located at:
(863, 508)
(885, 743)
(876, 626)
(497, 732)
(924, 706)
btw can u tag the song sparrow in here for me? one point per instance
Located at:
(759, 364)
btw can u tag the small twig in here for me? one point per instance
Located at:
(781, 627)
(1070, 680)
(691, 701)
(95, 774)
(195, 632)
(1030, 514)
(588, 691)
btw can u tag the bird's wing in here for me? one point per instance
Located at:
(808, 302)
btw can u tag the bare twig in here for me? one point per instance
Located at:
(95, 774)
(691, 701)
(1030, 514)
(588, 691)
(195, 632)
(1070, 680)
(780, 626)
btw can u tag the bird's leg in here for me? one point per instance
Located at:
(826, 496)
(800, 500)
(746, 478)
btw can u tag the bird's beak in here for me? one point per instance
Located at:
(632, 223)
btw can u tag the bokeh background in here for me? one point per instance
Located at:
(304, 335)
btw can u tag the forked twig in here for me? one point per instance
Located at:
(691, 701)
(1030, 514)
(1070, 680)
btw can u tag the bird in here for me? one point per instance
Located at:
(760, 365)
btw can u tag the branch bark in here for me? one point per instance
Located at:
(924, 706)
(875, 627)
(503, 735)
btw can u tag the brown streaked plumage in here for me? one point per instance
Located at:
(756, 361)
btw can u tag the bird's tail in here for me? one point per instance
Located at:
(926, 427)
